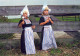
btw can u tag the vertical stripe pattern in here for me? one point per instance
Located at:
(48, 38)
(29, 41)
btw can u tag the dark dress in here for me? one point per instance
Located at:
(23, 50)
(42, 19)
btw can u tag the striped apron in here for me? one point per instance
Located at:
(48, 38)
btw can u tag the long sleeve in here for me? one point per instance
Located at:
(41, 20)
(20, 22)
(51, 18)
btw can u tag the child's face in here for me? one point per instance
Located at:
(45, 12)
(25, 15)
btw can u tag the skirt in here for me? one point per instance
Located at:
(27, 41)
(48, 38)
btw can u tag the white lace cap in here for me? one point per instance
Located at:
(45, 7)
(25, 9)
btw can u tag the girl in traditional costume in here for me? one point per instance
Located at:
(27, 38)
(47, 40)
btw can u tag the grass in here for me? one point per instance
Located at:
(67, 49)
(56, 51)
(14, 20)
(6, 36)
(2, 45)
(65, 18)
(10, 20)
(64, 49)
(73, 44)
(37, 18)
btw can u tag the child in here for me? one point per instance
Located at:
(47, 39)
(27, 38)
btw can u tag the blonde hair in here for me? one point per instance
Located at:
(24, 12)
(47, 8)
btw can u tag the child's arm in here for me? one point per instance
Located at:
(44, 22)
(50, 20)
(21, 23)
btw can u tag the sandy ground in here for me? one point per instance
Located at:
(57, 34)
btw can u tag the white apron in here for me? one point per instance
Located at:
(48, 38)
(29, 40)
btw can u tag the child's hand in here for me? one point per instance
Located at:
(47, 21)
(33, 26)
(50, 20)
(22, 22)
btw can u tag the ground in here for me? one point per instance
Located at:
(10, 46)
(61, 51)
